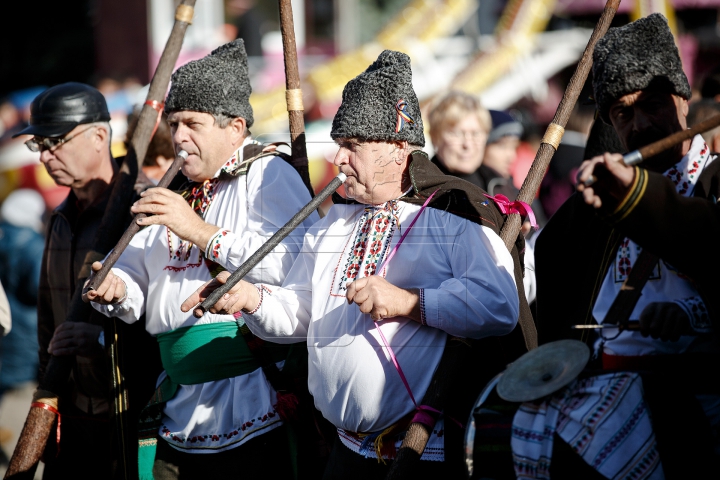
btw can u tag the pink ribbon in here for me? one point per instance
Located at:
(507, 207)
(422, 414)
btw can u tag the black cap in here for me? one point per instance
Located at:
(63, 107)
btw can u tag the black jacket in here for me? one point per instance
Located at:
(574, 251)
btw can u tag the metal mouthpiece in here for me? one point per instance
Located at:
(183, 154)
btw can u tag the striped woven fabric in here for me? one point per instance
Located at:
(604, 419)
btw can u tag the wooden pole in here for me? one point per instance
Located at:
(293, 93)
(418, 434)
(133, 228)
(556, 129)
(40, 420)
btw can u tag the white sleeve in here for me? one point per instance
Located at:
(285, 313)
(275, 194)
(529, 281)
(481, 299)
(131, 269)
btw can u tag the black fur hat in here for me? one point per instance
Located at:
(631, 57)
(380, 103)
(216, 84)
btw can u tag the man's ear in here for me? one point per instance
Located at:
(238, 126)
(684, 106)
(101, 137)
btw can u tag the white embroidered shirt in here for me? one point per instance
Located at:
(160, 272)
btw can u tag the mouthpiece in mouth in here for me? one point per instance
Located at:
(342, 177)
(183, 154)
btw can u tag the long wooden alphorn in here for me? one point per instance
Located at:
(98, 277)
(451, 362)
(293, 94)
(41, 417)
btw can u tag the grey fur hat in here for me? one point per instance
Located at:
(631, 57)
(215, 84)
(377, 103)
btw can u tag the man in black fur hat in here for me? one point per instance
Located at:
(636, 224)
(383, 282)
(217, 410)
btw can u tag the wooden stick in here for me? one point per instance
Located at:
(38, 424)
(554, 132)
(133, 228)
(636, 157)
(416, 438)
(293, 93)
(642, 154)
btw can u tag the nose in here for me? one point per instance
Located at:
(45, 156)
(641, 122)
(180, 136)
(341, 157)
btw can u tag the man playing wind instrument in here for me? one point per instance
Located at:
(382, 267)
(657, 403)
(215, 410)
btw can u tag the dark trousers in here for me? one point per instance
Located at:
(265, 456)
(344, 464)
(85, 448)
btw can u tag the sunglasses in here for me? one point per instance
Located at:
(38, 144)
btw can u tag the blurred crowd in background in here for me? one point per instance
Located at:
(493, 148)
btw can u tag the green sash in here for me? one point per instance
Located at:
(190, 356)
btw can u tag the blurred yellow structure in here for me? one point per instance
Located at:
(421, 21)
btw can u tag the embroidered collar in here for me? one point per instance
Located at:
(200, 195)
(236, 164)
(686, 172)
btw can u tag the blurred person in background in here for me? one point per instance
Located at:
(699, 112)
(500, 155)
(459, 127)
(244, 22)
(160, 153)
(21, 247)
(71, 132)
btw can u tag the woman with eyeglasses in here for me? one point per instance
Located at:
(459, 128)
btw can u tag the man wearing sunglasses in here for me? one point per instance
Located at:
(71, 132)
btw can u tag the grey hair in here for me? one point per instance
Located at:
(105, 125)
(222, 121)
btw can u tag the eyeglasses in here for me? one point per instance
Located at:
(38, 144)
(459, 136)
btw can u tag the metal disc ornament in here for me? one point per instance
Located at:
(543, 371)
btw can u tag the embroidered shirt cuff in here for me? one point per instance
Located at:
(429, 308)
(214, 250)
(261, 292)
(695, 309)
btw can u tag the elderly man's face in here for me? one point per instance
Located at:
(643, 117)
(208, 146)
(77, 162)
(374, 169)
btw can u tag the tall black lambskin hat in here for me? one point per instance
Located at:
(634, 57)
(63, 107)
